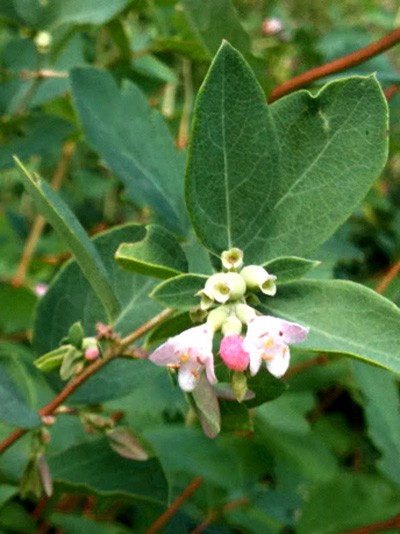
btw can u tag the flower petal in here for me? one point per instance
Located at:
(165, 354)
(293, 332)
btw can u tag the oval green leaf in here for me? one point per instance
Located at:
(158, 254)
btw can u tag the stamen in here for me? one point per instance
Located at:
(268, 343)
(184, 358)
(267, 357)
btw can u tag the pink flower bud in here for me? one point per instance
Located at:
(233, 354)
(92, 353)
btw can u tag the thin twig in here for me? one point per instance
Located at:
(40, 222)
(112, 353)
(42, 74)
(184, 124)
(214, 514)
(388, 278)
(338, 65)
(392, 523)
(171, 510)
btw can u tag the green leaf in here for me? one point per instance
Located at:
(79, 466)
(58, 214)
(380, 396)
(52, 360)
(235, 417)
(75, 524)
(180, 292)
(187, 451)
(343, 317)
(127, 133)
(214, 21)
(266, 388)
(333, 146)
(207, 407)
(40, 137)
(355, 500)
(13, 408)
(158, 254)
(71, 299)
(233, 158)
(170, 327)
(57, 13)
(17, 308)
(289, 268)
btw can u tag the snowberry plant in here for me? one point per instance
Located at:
(225, 278)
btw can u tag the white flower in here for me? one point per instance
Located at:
(189, 351)
(267, 339)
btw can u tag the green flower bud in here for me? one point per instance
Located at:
(224, 287)
(256, 277)
(232, 325)
(245, 313)
(217, 317)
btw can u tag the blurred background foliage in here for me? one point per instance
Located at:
(334, 440)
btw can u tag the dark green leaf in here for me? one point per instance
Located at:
(17, 309)
(158, 254)
(58, 214)
(333, 146)
(345, 494)
(214, 21)
(289, 268)
(233, 158)
(40, 137)
(127, 133)
(79, 466)
(380, 394)
(180, 292)
(266, 388)
(13, 408)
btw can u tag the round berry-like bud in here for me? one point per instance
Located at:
(224, 287)
(217, 317)
(92, 353)
(245, 313)
(233, 354)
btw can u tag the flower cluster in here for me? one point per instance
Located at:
(224, 299)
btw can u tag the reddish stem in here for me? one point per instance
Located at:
(166, 516)
(394, 522)
(75, 383)
(338, 65)
(388, 278)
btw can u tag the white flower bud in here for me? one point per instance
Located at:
(224, 287)
(43, 41)
(256, 277)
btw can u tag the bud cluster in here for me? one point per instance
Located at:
(224, 300)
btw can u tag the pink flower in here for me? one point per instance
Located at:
(189, 351)
(232, 352)
(267, 339)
